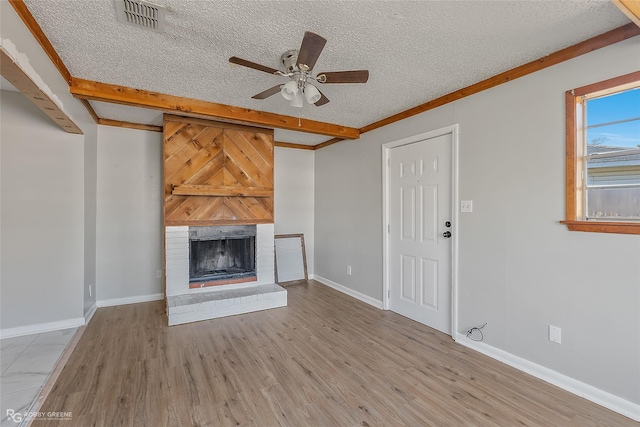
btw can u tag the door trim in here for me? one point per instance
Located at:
(386, 149)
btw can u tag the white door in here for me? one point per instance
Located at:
(419, 194)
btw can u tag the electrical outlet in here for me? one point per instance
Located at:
(555, 334)
(158, 274)
(466, 206)
(348, 270)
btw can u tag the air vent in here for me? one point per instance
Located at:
(141, 13)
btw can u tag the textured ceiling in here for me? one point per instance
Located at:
(416, 51)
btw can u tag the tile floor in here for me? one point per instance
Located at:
(25, 365)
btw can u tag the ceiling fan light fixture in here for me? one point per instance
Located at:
(289, 90)
(311, 93)
(297, 100)
(298, 66)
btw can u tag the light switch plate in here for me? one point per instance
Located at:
(555, 334)
(466, 206)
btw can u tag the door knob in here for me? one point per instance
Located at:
(447, 224)
(446, 234)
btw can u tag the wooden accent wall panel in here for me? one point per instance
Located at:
(216, 173)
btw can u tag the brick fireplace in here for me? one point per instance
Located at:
(189, 304)
(219, 232)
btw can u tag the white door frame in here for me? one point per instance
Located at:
(386, 149)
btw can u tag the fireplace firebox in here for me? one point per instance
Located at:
(224, 254)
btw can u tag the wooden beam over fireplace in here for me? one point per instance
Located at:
(97, 91)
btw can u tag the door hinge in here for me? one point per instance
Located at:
(388, 161)
(388, 228)
(388, 293)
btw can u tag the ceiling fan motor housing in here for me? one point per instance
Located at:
(289, 59)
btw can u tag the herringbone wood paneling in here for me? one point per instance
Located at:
(217, 157)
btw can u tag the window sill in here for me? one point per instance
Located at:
(603, 227)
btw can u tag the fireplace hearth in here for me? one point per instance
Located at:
(194, 301)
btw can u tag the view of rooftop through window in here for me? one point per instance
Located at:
(613, 156)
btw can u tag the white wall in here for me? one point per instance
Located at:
(129, 214)
(42, 217)
(43, 189)
(294, 196)
(519, 269)
(90, 212)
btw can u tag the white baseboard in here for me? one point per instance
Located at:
(586, 391)
(76, 322)
(129, 300)
(39, 328)
(357, 295)
(89, 314)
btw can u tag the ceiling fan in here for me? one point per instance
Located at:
(298, 65)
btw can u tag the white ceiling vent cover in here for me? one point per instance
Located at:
(141, 13)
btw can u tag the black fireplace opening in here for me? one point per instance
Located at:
(221, 253)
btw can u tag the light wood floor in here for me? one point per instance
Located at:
(325, 360)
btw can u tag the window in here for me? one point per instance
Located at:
(603, 156)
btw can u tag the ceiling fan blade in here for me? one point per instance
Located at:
(259, 67)
(355, 76)
(323, 100)
(267, 93)
(312, 45)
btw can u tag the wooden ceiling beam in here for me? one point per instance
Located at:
(96, 91)
(294, 145)
(589, 45)
(328, 143)
(129, 125)
(18, 78)
(631, 8)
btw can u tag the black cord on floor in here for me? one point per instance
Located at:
(471, 331)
